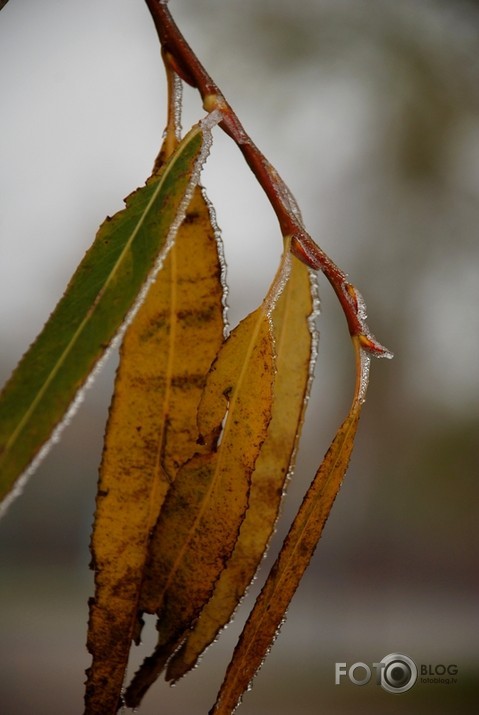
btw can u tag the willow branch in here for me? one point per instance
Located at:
(178, 53)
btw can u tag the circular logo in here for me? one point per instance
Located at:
(398, 674)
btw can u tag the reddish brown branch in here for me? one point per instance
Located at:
(183, 60)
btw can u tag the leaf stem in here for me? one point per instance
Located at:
(180, 56)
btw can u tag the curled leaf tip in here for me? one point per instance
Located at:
(371, 345)
(366, 339)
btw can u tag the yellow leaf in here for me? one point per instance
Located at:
(199, 524)
(271, 605)
(165, 357)
(293, 346)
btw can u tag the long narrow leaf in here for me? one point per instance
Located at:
(294, 342)
(96, 303)
(269, 610)
(151, 430)
(203, 511)
(199, 524)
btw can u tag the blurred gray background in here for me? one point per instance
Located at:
(370, 111)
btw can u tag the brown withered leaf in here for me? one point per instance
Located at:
(203, 511)
(271, 605)
(294, 342)
(165, 356)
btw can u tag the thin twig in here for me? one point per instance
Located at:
(183, 60)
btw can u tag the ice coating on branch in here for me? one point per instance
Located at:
(207, 124)
(285, 195)
(290, 202)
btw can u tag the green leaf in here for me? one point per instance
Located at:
(96, 303)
